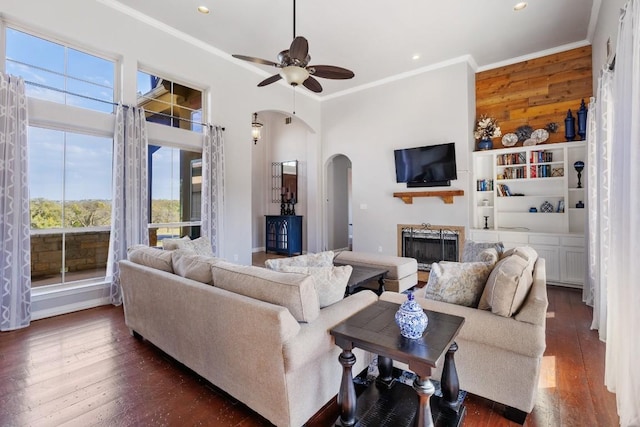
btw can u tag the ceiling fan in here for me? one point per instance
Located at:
(294, 65)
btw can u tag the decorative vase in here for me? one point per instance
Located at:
(579, 166)
(582, 120)
(569, 127)
(411, 318)
(546, 207)
(485, 144)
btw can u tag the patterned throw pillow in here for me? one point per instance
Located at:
(199, 246)
(330, 282)
(489, 255)
(458, 283)
(321, 259)
(173, 244)
(472, 249)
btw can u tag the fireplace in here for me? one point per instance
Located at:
(430, 243)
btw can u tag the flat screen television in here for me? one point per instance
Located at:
(427, 166)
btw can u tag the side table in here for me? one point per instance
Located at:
(374, 329)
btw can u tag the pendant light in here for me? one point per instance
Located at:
(256, 127)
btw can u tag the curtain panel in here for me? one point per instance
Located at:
(130, 191)
(212, 186)
(15, 221)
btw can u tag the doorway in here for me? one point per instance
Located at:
(339, 212)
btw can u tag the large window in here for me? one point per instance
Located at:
(58, 73)
(175, 177)
(70, 190)
(170, 103)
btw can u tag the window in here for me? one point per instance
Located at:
(58, 73)
(170, 103)
(70, 190)
(175, 178)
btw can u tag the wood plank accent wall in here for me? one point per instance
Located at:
(536, 92)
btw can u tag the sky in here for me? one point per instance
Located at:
(88, 159)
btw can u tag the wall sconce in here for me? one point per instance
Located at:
(255, 128)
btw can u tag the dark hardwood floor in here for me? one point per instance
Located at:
(85, 369)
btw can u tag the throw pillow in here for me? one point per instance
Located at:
(330, 282)
(458, 283)
(296, 292)
(321, 259)
(173, 244)
(193, 266)
(489, 255)
(150, 257)
(472, 249)
(507, 286)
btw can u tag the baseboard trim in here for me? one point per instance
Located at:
(69, 308)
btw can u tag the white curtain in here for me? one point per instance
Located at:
(599, 147)
(130, 191)
(15, 222)
(212, 185)
(613, 285)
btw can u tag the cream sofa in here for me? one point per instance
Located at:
(498, 357)
(278, 359)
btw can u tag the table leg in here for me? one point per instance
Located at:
(425, 389)
(381, 283)
(347, 395)
(385, 370)
(449, 382)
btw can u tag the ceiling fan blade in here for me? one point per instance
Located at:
(299, 49)
(270, 80)
(330, 72)
(256, 60)
(312, 84)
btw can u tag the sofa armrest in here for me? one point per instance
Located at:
(314, 337)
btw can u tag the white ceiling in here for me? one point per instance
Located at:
(375, 39)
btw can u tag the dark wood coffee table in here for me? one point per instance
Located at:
(374, 329)
(361, 275)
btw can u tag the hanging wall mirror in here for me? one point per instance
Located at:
(289, 184)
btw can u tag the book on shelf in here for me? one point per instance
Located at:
(503, 190)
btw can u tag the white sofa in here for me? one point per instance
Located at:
(276, 357)
(498, 357)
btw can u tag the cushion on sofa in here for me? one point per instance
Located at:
(472, 249)
(150, 257)
(489, 255)
(459, 283)
(173, 244)
(507, 286)
(296, 292)
(330, 282)
(321, 259)
(193, 266)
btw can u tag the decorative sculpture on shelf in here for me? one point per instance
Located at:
(486, 223)
(582, 120)
(569, 127)
(579, 166)
(288, 205)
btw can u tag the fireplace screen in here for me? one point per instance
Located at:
(429, 245)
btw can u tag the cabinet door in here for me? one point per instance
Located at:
(552, 261)
(572, 263)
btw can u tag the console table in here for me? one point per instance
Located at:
(283, 234)
(374, 329)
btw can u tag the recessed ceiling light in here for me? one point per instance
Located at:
(203, 9)
(520, 6)
(416, 56)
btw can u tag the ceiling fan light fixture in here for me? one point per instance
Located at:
(256, 127)
(203, 9)
(520, 6)
(294, 75)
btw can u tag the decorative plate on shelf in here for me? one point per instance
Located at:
(529, 142)
(509, 139)
(540, 135)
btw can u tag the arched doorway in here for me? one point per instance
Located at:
(338, 203)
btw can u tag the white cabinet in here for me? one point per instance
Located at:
(512, 184)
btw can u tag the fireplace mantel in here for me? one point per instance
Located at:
(447, 196)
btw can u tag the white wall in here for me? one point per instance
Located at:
(230, 86)
(338, 170)
(431, 108)
(607, 27)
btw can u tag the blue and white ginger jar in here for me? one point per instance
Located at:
(411, 318)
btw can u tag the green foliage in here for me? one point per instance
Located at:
(92, 213)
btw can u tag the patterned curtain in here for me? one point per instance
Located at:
(212, 185)
(15, 222)
(130, 206)
(599, 144)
